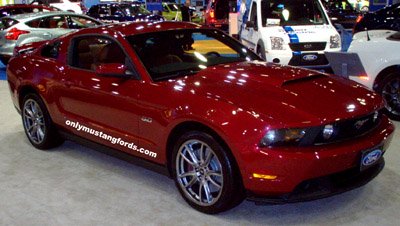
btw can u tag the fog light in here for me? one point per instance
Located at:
(264, 176)
(327, 132)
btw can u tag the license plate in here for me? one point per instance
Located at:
(370, 157)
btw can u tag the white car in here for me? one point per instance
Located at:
(289, 32)
(75, 6)
(373, 60)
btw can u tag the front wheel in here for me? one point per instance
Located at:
(389, 88)
(261, 51)
(37, 123)
(205, 173)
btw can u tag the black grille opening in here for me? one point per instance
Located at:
(307, 46)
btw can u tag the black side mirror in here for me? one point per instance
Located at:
(249, 24)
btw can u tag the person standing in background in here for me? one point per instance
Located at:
(185, 11)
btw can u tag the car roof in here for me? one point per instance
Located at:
(120, 3)
(23, 6)
(31, 16)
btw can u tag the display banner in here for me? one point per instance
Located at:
(154, 5)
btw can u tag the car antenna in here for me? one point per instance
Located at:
(368, 38)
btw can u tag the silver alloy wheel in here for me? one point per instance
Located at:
(391, 93)
(34, 121)
(199, 172)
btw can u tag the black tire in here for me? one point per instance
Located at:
(389, 88)
(198, 184)
(261, 51)
(38, 126)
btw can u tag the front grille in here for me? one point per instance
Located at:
(307, 46)
(349, 129)
(300, 60)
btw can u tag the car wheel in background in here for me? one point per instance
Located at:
(37, 123)
(389, 88)
(205, 173)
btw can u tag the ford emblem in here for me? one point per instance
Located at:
(372, 157)
(310, 57)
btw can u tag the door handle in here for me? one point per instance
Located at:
(47, 35)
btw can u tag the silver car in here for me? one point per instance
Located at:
(33, 27)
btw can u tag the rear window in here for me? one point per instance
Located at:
(7, 22)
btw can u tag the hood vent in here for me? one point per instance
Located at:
(303, 79)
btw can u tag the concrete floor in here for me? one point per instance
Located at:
(74, 185)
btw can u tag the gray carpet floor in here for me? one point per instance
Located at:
(74, 185)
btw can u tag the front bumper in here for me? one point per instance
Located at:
(323, 187)
(290, 167)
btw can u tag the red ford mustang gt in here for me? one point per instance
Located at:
(195, 104)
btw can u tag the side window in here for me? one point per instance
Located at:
(33, 23)
(115, 11)
(90, 52)
(55, 1)
(53, 22)
(253, 15)
(104, 11)
(77, 22)
(51, 50)
(93, 10)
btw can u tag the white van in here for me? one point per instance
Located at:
(291, 32)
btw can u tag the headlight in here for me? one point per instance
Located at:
(277, 43)
(280, 137)
(335, 41)
(300, 136)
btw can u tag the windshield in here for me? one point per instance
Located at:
(135, 9)
(173, 7)
(292, 12)
(338, 5)
(177, 53)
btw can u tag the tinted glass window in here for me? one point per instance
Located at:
(7, 22)
(77, 22)
(115, 11)
(93, 10)
(34, 23)
(54, 1)
(89, 52)
(104, 10)
(53, 22)
(178, 53)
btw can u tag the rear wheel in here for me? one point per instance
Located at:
(205, 174)
(37, 123)
(389, 88)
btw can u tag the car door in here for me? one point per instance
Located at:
(100, 103)
(249, 32)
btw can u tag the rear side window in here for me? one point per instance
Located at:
(7, 22)
(33, 23)
(77, 22)
(89, 52)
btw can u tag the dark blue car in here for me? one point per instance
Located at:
(387, 18)
(120, 12)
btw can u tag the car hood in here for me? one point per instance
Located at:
(287, 94)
